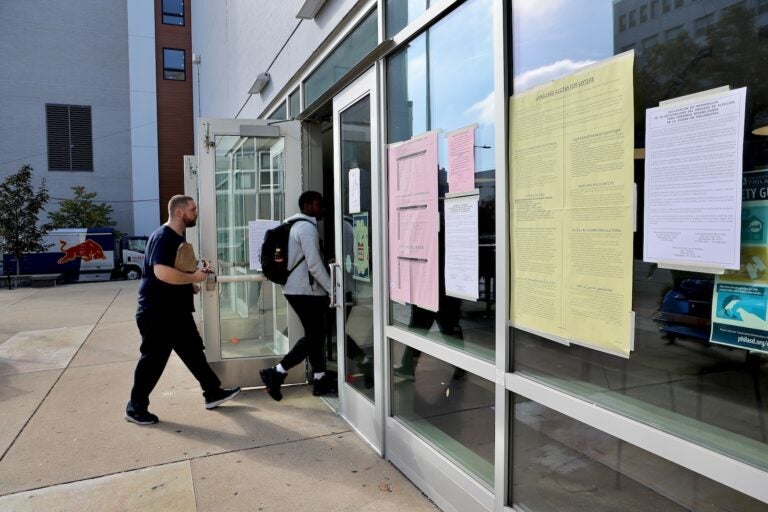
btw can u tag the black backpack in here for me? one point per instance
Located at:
(274, 253)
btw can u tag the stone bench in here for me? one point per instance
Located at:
(34, 280)
(44, 280)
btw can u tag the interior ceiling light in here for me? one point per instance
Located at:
(310, 8)
(261, 81)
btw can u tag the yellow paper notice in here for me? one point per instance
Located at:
(571, 193)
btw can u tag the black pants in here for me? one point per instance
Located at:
(447, 318)
(311, 310)
(161, 333)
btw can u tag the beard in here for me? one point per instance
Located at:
(190, 223)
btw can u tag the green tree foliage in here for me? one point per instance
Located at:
(20, 207)
(732, 52)
(81, 212)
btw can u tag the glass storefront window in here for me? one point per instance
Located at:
(559, 463)
(429, 89)
(675, 379)
(361, 40)
(450, 408)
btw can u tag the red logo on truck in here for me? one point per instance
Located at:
(88, 250)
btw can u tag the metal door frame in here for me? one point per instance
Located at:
(365, 417)
(241, 371)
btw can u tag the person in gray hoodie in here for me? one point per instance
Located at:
(306, 291)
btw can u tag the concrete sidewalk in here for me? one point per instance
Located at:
(67, 356)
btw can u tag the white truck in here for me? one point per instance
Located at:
(84, 254)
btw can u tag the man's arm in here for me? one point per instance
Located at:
(172, 276)
(310, 246)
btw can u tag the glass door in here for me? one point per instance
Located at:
(249, 179)
(358, 291)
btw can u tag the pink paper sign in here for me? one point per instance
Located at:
(461, 160)
(414, 222)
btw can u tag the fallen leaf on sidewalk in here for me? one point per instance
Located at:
(384, 487)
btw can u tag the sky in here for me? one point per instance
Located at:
(553, 38)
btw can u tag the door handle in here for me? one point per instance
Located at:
(335, 284)
(213, 279)
(210, 283)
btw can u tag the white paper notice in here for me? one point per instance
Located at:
(354, 190)
(693, 166)
(256, 231)
(461, 247)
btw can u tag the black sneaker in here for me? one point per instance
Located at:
(139, 417)
(324, 385)
(220, 396)
(273, 379)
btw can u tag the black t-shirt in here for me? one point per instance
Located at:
(157, 295)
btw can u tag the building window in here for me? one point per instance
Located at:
(654, 9)
(679, 3)
(173, 12)
(650, 42)
(622, 23)
(606, 469)
(428, 414)
(666, 6)
(361, 40)
(702, 25)
(428, 72)
(674, 32)
(632, 18)
(402, 12)
(643, 13)
(279, 113)
(173, 64)
(736, 6)
(762, 6)
(70, 139)
(294, 103)
(675, 379)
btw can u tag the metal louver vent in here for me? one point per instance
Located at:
(70, 142)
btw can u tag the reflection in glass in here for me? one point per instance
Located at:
(674, 379)
(447, 406)
(361, 40)
(173, 64)
(253, 315)
(401, 12)
(425, 94)
(561, 464)
(356, 244)
(173, 12)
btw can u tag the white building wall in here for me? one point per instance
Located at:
(72, 53)
(142, 76)
(238, 39)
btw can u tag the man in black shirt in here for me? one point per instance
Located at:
(164, 316)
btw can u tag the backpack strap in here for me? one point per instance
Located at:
(311, 279)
